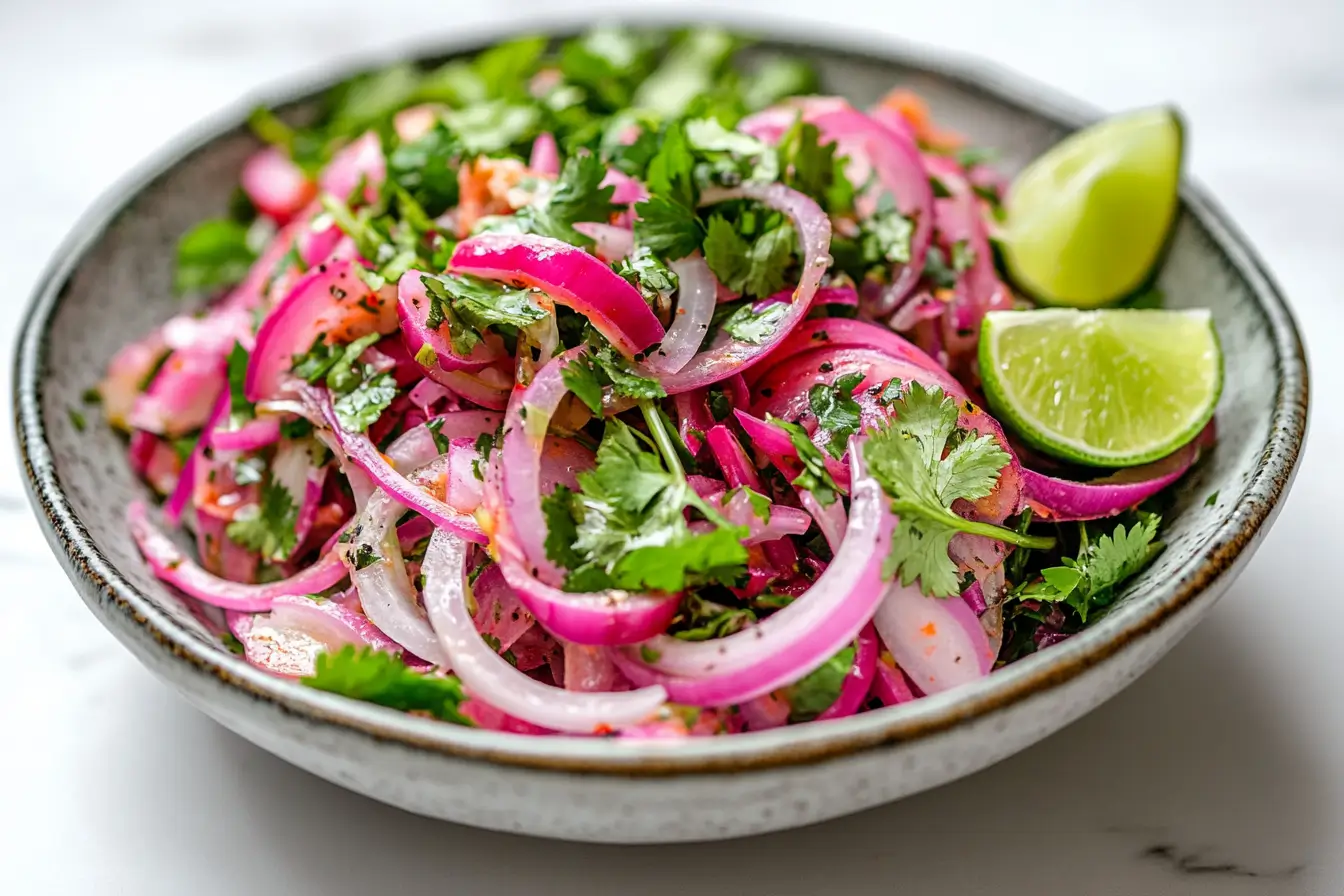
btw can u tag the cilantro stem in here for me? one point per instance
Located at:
(989, 530)
(661, 438)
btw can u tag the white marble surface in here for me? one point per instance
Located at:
(1220, 772)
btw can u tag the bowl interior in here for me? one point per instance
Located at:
(114, 283)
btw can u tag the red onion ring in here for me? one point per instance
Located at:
(726, 355)
(413, 312)
(695, 308)
(361, 160)
(939, 642)
(545, 159)
(567, 275)
(277, 187)
(492, 678)
(854, 690)
(174, 567)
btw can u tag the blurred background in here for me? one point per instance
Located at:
(1218, 773)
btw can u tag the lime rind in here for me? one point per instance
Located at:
(1089, 221)
(1017, 400)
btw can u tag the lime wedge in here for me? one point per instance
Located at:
(1087, 220)
(1113, 388)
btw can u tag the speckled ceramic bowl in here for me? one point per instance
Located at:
(111, 282)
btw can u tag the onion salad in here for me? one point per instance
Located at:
(539, 394)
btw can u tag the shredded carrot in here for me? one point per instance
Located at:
(911, 106)
(929, 630)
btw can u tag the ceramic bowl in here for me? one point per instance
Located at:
(111, 283)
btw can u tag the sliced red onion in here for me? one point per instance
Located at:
(182, 395)
(939, 642)
(612, 241)
(417, 447)
(293, 469)
(251, 436)
(488, 387)
(726, 355)
(854, 690)
(601, 618)
(427, 393)
(277, 187)
(186, 481)
(465, 486)
(732, 458)
(499, 611)
(831, 519)
(921, 307)
(696, 288)
(1062, 500)
(413, 312)
(128, 369)
(178, 570)
(363, 453)
(765, 712)
(490, 718)
(329, 296)
(385, 590)
(890, 684)
(783, 521)
(492, 678)
(842, 333)
(288, 640)
(871, 146)
(363, 161)
(545, 158)
(567, 275)
(414, 122)
(792, 642)
(628, 191)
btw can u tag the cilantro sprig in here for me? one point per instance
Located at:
(838, 414)
(471, 306)
(267, 527)
(925, 463)
(361, 392)
(626, 526)
(377, 676)
(1088, 582)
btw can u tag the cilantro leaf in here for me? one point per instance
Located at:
(814, 477)
(776, 78)
(1088, 582)
(267, 527)
(814, 693)
(667, 227)
(426, 169)
(626, 527)
(925, 464)
(671, 170)
(331, 361)
(745, 324)
(646, 272)
(940, 271)
(809, 166)
(688, 71)
(757, 268)
(495, 126)
(375, 676)
(576, 197)
(361, 407)
(699, 619)
(240, 409)
(470, 306)
(838, 414)
(587, 375)
(213, 254)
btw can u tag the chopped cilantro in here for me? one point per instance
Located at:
(77, 419)
(361, 407)
(925, 463)
(590, 373)
(1211, 500)
(646, 272)
(470, 306)
(427, 170)
(745, 324)
(1088, 582)
(837, 412)
(240, 409)
(215, 253)
(626, 527)
(576, 197)
(376, 676)
(267, 527)
(667, 227)
(699, 619)
(814, 693)
(758, 268)
(814, 477)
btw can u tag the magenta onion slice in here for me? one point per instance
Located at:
(939, 642)
(318, 302)
(793, 641)
(492, 678)
(288, 640)
(890, 684)
(545, 158)
(413, 312)
(1063, 500)
(361, 161)
(567, 275)
(172, 566)
(611, 242)
(417, 447)
(360, 450)
(251, 436)
(843, 333)
(725, 355)
(385, 590)
(857, 684)
(696, 290)
(277, 187)
(600, 618)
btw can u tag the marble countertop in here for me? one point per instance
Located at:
(1219, 772)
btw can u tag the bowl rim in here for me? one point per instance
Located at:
(118, 602)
